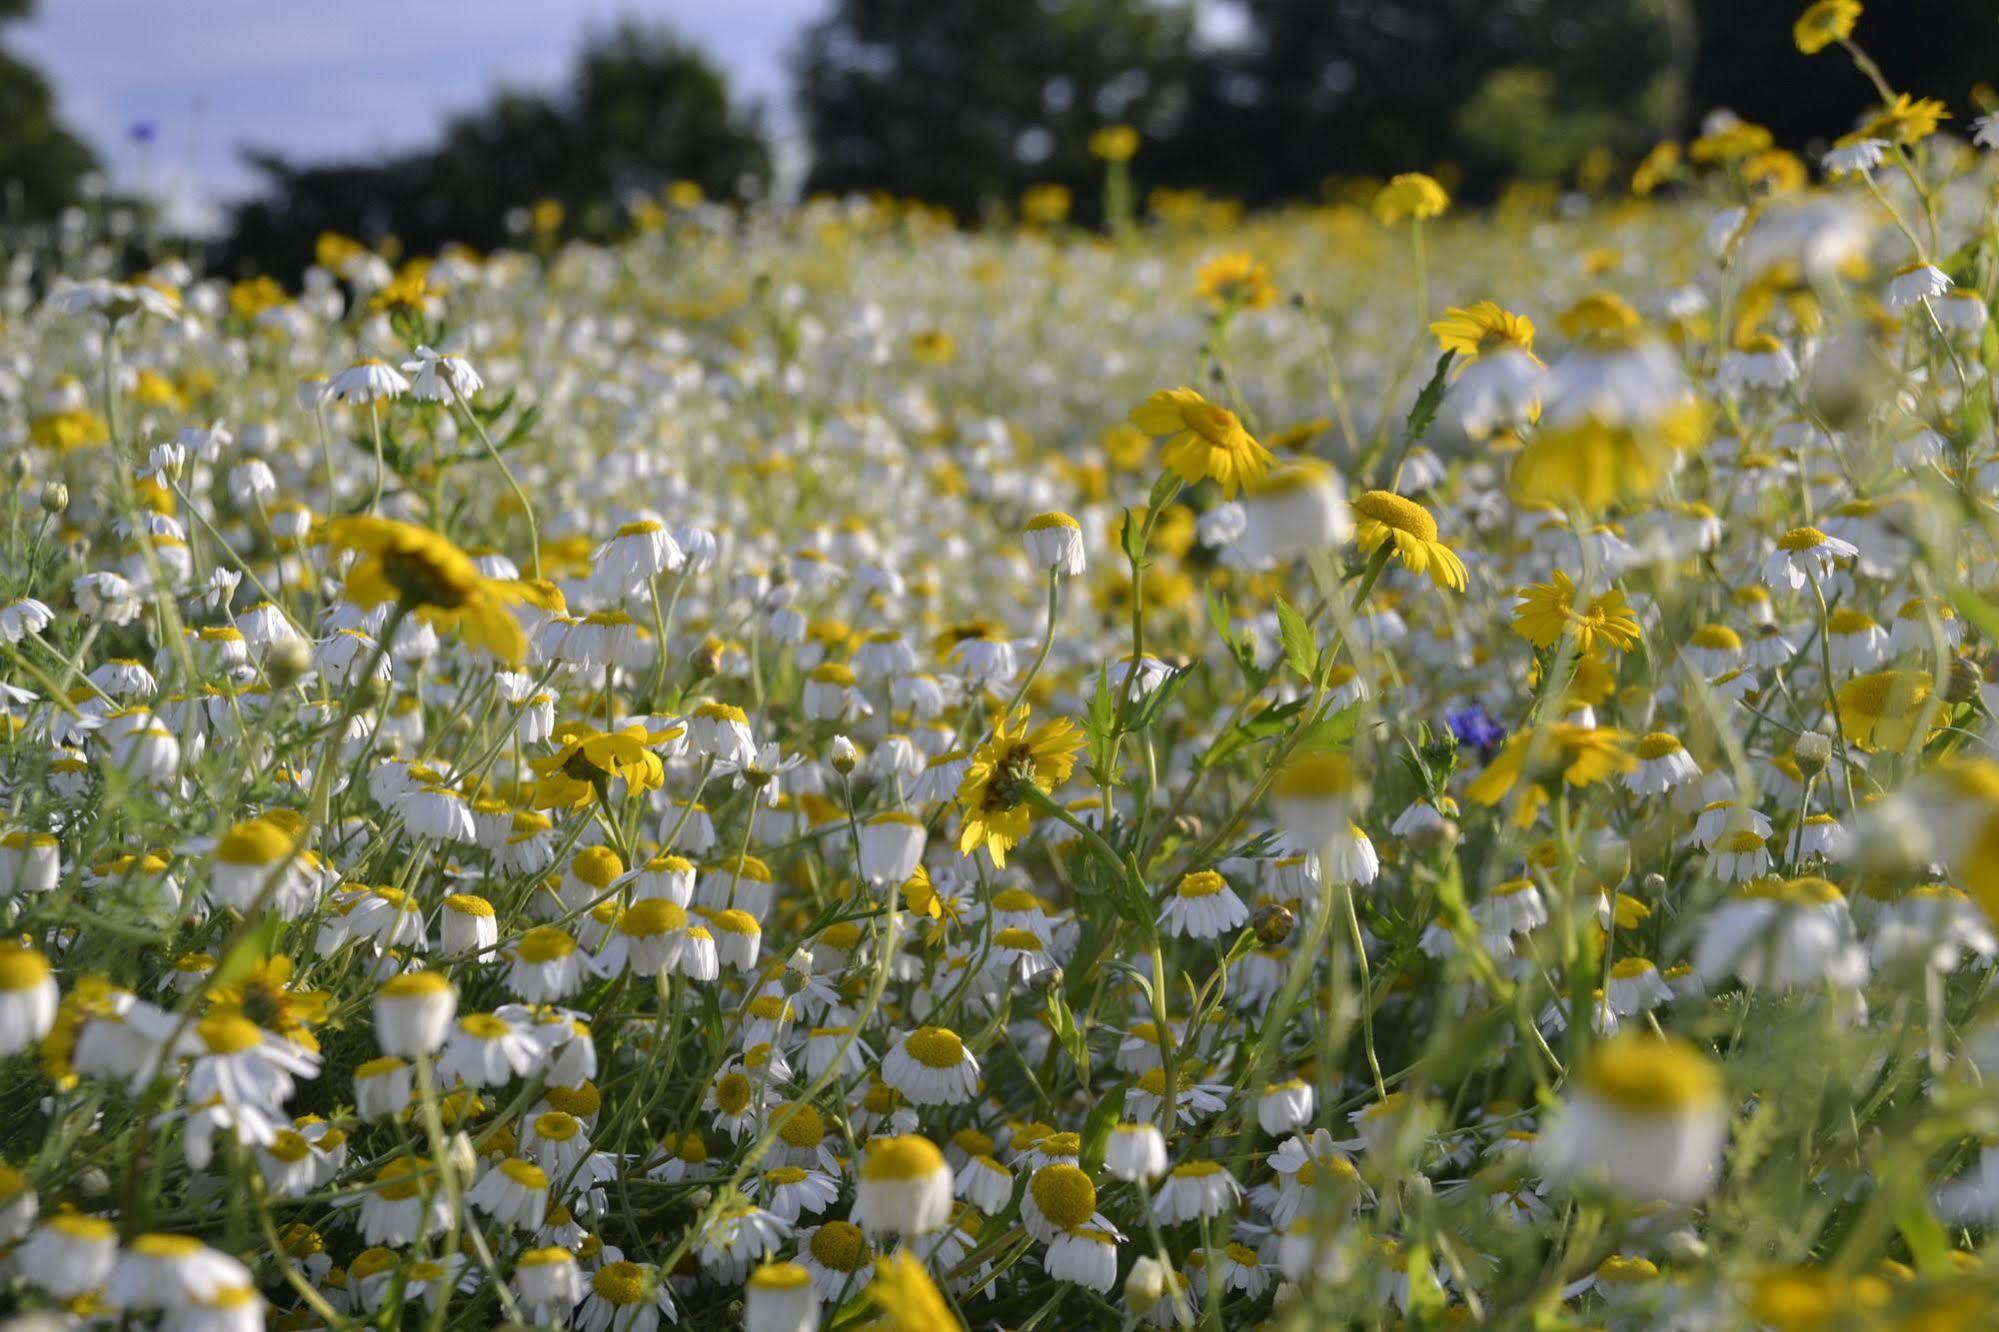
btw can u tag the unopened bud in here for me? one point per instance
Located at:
(1812, 752)
(55, 498)
(287, 662)
(1047, 979)
(1273, 923)
(1961, 685)
(844, 756)
(1146, 1283)
(708, 660)
(461, 1156)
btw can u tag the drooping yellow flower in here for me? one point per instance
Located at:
(569, 778)
(1235, 281)
(1479, 330)
(992, 797)
(1905, 120)
(1658, 167)
(405, 563)
(1410, 195)
(909, 1300)
(1547, 611)
(1530, 758)
(1203, 440)
(1826, 22)
(1883, 710)
(1381, 516)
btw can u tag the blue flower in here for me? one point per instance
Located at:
(1475, 727)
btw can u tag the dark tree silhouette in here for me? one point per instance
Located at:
(963, 104)
(42, 165)
(642, 109)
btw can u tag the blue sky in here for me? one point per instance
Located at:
(342, 79)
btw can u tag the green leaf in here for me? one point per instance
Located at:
(1063, 1023)
(1132, 537)
(255, 945)
(1097, 1128)
(1928, 1244)
(1163, 491)
(1424, 410)
(1337, 729)
(1265, 724)
(1983, 615)
(1301, 650)
(1100, 727)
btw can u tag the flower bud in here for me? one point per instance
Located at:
(1273, 923)
(461, 1156)
(287, 662)
(1812, 752)
(1146, 1283)
(844, 756)
(55, 498)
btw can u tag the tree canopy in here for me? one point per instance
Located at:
(42, 165)
(642, 109)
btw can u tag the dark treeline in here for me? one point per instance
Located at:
(965, 103)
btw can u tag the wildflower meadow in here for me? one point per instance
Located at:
(1382, 764)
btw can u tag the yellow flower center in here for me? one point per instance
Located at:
(1399, 514)
(1064, 1194)
(935, 1047)
(902, 1158)
(619, 1283)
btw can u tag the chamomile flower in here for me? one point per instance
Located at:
(904, 1187)
(1646, 1117)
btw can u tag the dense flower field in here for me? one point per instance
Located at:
(1370, 766)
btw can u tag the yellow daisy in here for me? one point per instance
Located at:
(415, 566)
(1546, 611)
(1203, 440)
(992, 797)
(1381, 516)
(1826, 22)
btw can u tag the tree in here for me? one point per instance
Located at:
(642, 109)
(42, 165)
(965, 104)
(1497, 87)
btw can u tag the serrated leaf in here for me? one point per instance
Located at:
(1337, 729)
(1301, 650)
(1146, 710)
(1424, 410)
(1131, 537)
(1100, 726)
